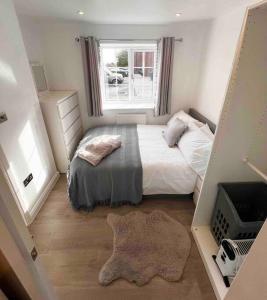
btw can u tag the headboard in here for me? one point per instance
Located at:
(195, 114)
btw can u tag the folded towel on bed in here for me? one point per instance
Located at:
(99, 147)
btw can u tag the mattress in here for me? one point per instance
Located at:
(165, 170)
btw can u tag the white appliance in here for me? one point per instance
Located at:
(230, 256)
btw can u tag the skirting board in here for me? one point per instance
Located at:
(40, 202)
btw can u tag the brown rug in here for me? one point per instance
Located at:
(146, 245)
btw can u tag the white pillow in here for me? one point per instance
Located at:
(195, 146)
(186, 118)
(207, 131)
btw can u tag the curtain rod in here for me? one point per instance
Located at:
(77, 39)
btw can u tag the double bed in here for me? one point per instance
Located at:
(144, 165)
(165, 170)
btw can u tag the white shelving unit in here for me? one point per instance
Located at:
(208, 247)
(241, 133)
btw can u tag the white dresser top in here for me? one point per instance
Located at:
(56, 96)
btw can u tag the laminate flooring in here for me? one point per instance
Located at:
(73, 247)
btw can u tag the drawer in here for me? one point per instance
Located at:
(69, 119)
(199, 183)
(67, 105)
(196, 196)
(73, 144)
(69, 134)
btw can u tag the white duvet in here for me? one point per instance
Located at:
(165, 170)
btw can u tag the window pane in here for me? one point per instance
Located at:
(149, 59)
(115, 58)
(138, 72)
(123, 71)
(110, 92)
(118, 80)
(143, 83)
(138, 59)
(119, 92)
(109, 57)
(116, 74)
(138, 83)
(122, 58)
(116, 86)
(123, 91)
(148, 73)
(148, 82)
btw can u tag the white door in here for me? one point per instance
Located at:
(18, 247)
(24, 142)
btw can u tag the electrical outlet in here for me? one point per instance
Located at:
(28, 180)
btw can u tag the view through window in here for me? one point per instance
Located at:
(128, 73)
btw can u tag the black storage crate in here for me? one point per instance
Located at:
(240, 210)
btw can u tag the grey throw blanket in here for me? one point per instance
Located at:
(118, 179)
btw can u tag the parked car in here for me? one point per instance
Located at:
(123, 71)
(113, 78)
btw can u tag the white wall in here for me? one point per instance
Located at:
(24, 143)
(202, 62)
(64, 66)
(31, 33)
(32, 37)
(217, 64)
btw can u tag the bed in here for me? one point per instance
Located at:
(143, 166)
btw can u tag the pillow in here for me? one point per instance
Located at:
(195, 146)
(186, 118)
(174, 131)
(207, 131)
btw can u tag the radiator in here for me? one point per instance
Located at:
(131, 118)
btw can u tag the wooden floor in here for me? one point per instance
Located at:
(74, 245)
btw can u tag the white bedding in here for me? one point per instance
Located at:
(165, 170)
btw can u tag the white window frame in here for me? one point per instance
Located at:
(132, 101)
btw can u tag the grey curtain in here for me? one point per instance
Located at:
(166, 53)
(90, 58)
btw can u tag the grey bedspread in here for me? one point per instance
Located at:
(116, 180)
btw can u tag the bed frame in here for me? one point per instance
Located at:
(195, 114)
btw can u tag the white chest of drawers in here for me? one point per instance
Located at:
(62, 118)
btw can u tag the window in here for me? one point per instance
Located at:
(128, 75)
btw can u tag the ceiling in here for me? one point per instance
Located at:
(128, 11)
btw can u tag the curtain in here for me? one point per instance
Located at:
(166, 48)
(90, 59)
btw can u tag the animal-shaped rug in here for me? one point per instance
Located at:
(146, 245)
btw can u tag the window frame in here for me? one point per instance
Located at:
(132, 101)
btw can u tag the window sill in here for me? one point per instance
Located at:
(141, 106)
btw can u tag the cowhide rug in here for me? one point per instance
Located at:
(146, 245)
